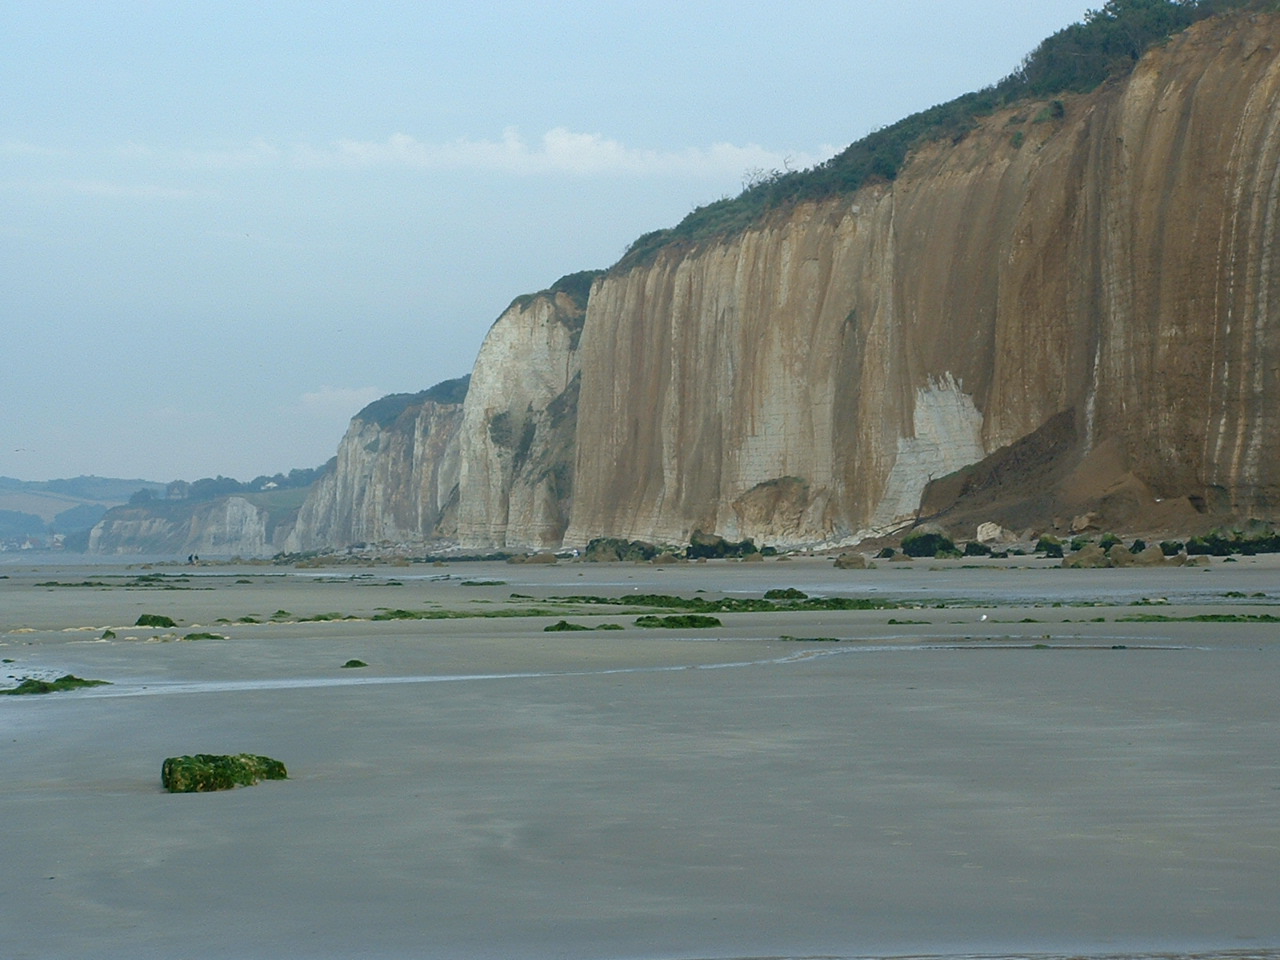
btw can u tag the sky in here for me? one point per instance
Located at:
(226, 226)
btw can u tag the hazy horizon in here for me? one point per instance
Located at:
(228, 229)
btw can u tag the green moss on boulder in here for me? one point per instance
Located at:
(204, 772)
(154, 620)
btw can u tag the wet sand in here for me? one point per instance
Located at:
(967, 783)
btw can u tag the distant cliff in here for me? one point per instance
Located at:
(395, 477)
(252, 525)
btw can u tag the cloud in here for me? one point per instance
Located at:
(258, 153)
(559, 151)
(342, 402)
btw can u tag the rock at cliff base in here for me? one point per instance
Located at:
(1085, 521)
(1089, 557)
(712, 546)
(1120, 556)
(1153, 556)
(927, 543)
(203, 772)
(993, 533)
(851, 561)
(614, 550)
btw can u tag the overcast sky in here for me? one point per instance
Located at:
(226, 226)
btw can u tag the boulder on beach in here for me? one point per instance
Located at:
(204, 772)
(1089, 557)
(994, 533)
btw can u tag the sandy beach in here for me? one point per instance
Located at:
(1003, 762)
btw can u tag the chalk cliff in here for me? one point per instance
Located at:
(1076, 305)
(227, 526)
(395, 478)
(516, 444)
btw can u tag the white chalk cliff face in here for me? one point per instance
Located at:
(394, 481)
(515, 482)
(226, 527)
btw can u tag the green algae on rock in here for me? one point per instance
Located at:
(65, 682)
(680, 621)
(154, 620)
(205, 772)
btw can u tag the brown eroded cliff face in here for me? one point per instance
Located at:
(805, 380)
(394, 480)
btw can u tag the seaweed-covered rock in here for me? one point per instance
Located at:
(209, 771)
(696, 621)
(154, 620)
(560, 626)
(711, 546)
(785, 593)
(66, 682)
(928, 543)
(613, 550)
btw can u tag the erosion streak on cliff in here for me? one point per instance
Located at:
(1117, 261)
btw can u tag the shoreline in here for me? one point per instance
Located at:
(990, 776)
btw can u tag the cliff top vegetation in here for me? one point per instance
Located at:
(387, 410)
(577, 286)
(1077, 59)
